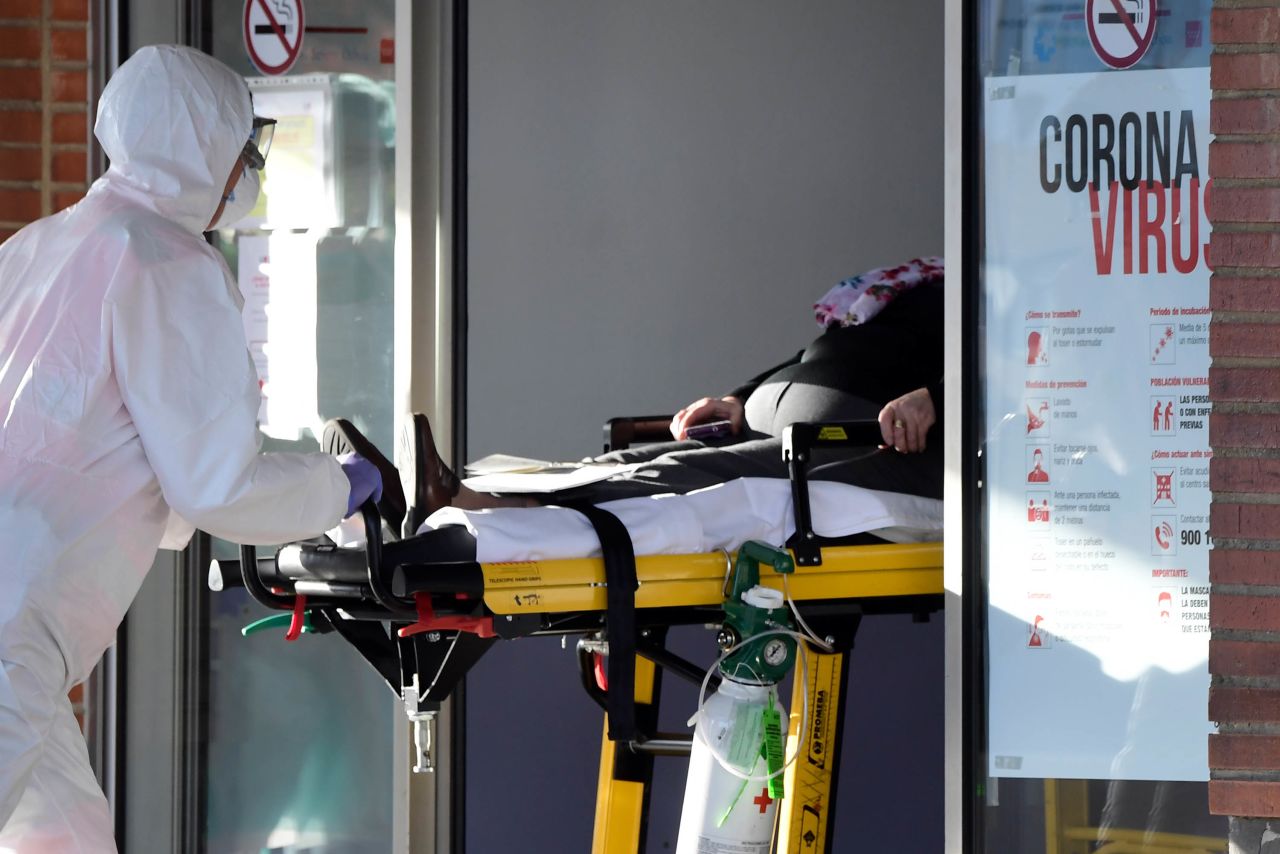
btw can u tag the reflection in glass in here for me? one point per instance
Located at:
(300, 747)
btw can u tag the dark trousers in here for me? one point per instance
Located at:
(685, 466)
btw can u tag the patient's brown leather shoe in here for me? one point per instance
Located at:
(428, 483)
(340, 436)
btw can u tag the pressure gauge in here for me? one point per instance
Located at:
(775, 652)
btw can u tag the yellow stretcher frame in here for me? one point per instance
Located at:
(850, 579)
(865, 572)
(683, 581)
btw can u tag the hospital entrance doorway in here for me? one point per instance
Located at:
(308, 722)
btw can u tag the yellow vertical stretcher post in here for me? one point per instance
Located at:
(804, 816)
(622, 790)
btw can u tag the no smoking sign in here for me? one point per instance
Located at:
(1121, 30)
(273, 33)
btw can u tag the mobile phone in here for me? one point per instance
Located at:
(709, 430)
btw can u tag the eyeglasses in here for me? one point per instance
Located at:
(255, 150)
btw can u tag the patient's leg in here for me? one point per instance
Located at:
(687, 469)
(429, 484)
(469, 499)
(677, 467)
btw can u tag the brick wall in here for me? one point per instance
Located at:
(1244, 385)
(44, 110)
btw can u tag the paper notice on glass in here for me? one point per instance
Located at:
(300, 190)
(1097, 445)
(553, 479)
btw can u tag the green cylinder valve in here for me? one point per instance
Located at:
(752, 609)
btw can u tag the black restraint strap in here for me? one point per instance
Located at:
(620, 630)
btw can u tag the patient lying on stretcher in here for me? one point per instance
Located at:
(887, 369)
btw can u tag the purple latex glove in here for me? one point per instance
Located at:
(366, 480)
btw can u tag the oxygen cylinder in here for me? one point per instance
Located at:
(722, 812)
(741, 724)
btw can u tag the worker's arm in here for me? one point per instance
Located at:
(190, 387)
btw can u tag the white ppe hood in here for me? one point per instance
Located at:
(172, 121)
(127, 400)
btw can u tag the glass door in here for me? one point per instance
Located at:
(1093, 335)
(300, 750)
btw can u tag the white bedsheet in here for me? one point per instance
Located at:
(718, 517)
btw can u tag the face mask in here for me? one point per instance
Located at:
(240, 200)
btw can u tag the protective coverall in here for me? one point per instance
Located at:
(129, 406)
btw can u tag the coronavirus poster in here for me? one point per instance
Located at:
(1096, 423)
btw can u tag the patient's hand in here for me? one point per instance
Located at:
(905, 421)
(708, 409)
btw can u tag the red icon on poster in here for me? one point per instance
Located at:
(1163, 487)
(1037, 473)
(1164, 536)
(1037, 348)
(1037, 418)
(1162, 344)
(1038, 513)
(1036, 641)
(1162, 412)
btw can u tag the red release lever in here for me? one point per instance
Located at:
(299, 617)
(429, 622)
(602, 675)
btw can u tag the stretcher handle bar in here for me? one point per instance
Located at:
(329, 590)
(309, 562)
(373, 556)
(253, 582)
(410, 569)
(798, 442)
(453, 577)
(226, 573)
(321, 595)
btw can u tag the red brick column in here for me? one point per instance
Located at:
(1244, 385)
(44, 132)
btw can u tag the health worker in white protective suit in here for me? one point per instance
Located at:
(129, 415)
